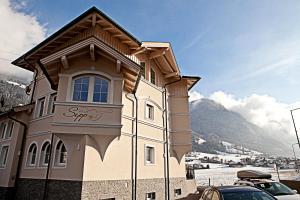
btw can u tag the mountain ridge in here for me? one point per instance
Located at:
(209, 118)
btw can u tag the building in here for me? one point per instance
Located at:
(108, 118)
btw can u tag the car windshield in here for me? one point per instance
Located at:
(275, 188)
(247, 196)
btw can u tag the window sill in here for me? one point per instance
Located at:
(85, 103)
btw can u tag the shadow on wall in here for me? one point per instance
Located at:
(57, 189)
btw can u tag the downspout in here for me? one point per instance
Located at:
(164, 129)
(136, 131)
(132, 150)
(45, 195)
(167, 135)
(21, 153)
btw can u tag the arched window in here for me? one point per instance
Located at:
(98, 92)
(32, 151)
(81, 89)
(61, 154)
(45, 154)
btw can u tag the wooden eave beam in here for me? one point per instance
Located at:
(119, 66)
(138, 51)
(94, 20)
(171, 74)
(92, 52)
(117, 35)
(108, 28)
(157, 53)
(64, 62)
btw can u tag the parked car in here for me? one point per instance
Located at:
(235, 193)
(263, 181)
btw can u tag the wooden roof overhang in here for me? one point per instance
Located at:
(92, 27)
(162, 54)
(191, 81)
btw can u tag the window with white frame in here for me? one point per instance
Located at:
(51, 106)
(150, 196)
(45, 154)
(91, 88)
(149, 155)
(40, 107)
(3, 155)
(152, 76)
(149, 111)
(3, 127)
(60, 154)
(9, 129)
(32, 154)
(6, 129)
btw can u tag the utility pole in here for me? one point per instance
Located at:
(295, 125)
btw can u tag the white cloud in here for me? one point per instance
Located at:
(262, 110)
(195, 96)
(19, 33)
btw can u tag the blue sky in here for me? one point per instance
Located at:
(240, 47)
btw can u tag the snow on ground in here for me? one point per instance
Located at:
(18, 84)
(227, 176)
(222, 155)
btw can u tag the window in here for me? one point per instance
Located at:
(150, 196)
(51, 107)
(149, 111)
(3, 129)
(41, 105)
(45, 154)
(60, 154)
(98, 92)
(152, 76)
(9, 129)
(177, 192)
(3, 155)
(149, 155)
(143, 68)
(81, 89)
(31, 159)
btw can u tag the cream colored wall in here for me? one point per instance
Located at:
(88, 158)
(72, 171)
(8, 173)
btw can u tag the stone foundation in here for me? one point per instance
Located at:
(6, 193)
(89, 190)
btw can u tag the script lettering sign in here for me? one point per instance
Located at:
(92, 114)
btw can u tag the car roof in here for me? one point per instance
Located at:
(257, 180)
(229, 189)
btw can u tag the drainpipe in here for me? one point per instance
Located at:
(164, 129)
(167, 135)
(21, 153)
(45, 194)
(132, 151)
(136, 131)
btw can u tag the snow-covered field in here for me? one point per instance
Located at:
(221, 175)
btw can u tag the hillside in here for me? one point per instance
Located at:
(214, 123)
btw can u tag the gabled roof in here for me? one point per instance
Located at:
(80, 24)
(162, 53)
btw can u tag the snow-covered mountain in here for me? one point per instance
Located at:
(213, 123)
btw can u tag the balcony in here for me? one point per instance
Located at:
(87, 118)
